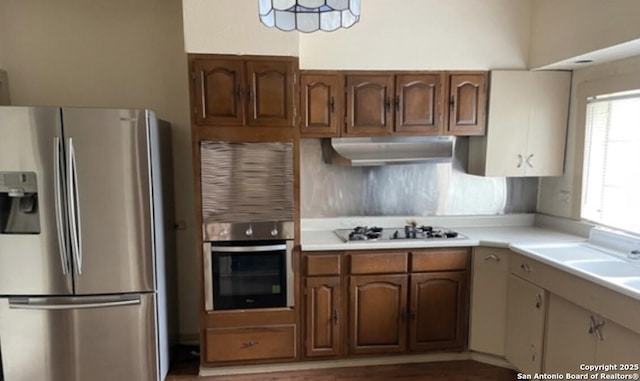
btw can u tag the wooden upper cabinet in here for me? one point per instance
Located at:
(219, 92)
(369, 105)
(319, 104)
(270, 93)
(418, 104)
(240, 91)
(378, 313)
(467, 103)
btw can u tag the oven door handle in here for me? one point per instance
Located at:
(246, 249)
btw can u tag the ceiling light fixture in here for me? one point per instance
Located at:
(309, 15)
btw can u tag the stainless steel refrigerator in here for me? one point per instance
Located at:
(84, 225)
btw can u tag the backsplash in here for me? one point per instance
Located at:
(407, 190)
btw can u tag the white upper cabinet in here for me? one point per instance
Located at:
(527, 125)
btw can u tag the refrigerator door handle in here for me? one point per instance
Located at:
(58, 190)
(49, 304)
(74, 207)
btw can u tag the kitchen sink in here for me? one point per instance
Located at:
(585, 257)
(607, 268)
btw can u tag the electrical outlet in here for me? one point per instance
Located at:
(564, 196)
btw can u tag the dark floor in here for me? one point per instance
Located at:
(186, 369)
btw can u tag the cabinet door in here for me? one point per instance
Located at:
(467, 103)
(568, 340)
(418, 104)
(438, 311)
(525, 325)
(319, 105)
(378, 307)
(219, 92)
(489, 300)
(270, 93)
(546, 135)
(508, 124)
(616, 345)
(323, 317)
(369, 110)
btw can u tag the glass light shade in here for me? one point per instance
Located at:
(309, 15)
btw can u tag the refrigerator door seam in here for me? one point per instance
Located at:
(62, 242)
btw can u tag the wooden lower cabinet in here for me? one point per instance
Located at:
(324, 317)
(251, 343)
(378, 302)
(438, 312)
(378, 307)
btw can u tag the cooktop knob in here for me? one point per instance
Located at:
(249, 231)
(274, 232)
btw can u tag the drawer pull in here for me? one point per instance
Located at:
(250, 343)
(492, 257)
(525, 267)
(538, 301)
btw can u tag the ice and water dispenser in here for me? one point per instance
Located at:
(19, 203)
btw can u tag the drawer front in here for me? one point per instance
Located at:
(322, 264)
(260, 343)
(445, 259)
(378, 263)
(527, 268)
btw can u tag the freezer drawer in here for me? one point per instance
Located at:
(79, 338)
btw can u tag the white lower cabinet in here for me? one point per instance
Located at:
(526, 305)
(577, 336)
(489, 300)
(570, 341)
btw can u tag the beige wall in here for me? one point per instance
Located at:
(232, 27)
(420, 34)
(561, 29)
(561, 196)
(426, 34)
(115, 53)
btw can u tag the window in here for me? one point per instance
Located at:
(611, 181)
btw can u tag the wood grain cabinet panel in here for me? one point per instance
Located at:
(467, 103)
(378, 263)
(243, 91)
(219, 92)
(270, 93)
(369, 101)
(322, 264)
(438, 311)
(445, 259)
(320, 104)
(252, 343)
(418, 104)
(324, 317)
(378, 314)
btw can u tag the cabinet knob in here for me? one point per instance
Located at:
(538, 300)
(387, 104)
(520, 161)
(334, 316)
(332, 105)
(525, 267)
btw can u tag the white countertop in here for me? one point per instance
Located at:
(522, 233)
(496, 231)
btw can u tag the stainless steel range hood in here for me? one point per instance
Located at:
(388, 150)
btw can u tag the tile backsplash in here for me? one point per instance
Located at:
(426, 189)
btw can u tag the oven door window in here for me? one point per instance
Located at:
(243, 280)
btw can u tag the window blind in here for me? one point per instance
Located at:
(611, 179)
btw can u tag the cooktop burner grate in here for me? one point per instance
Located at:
(408, 232)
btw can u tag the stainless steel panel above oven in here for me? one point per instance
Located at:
(220, 231)
(246, 182)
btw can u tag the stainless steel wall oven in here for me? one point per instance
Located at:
(248, 229)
